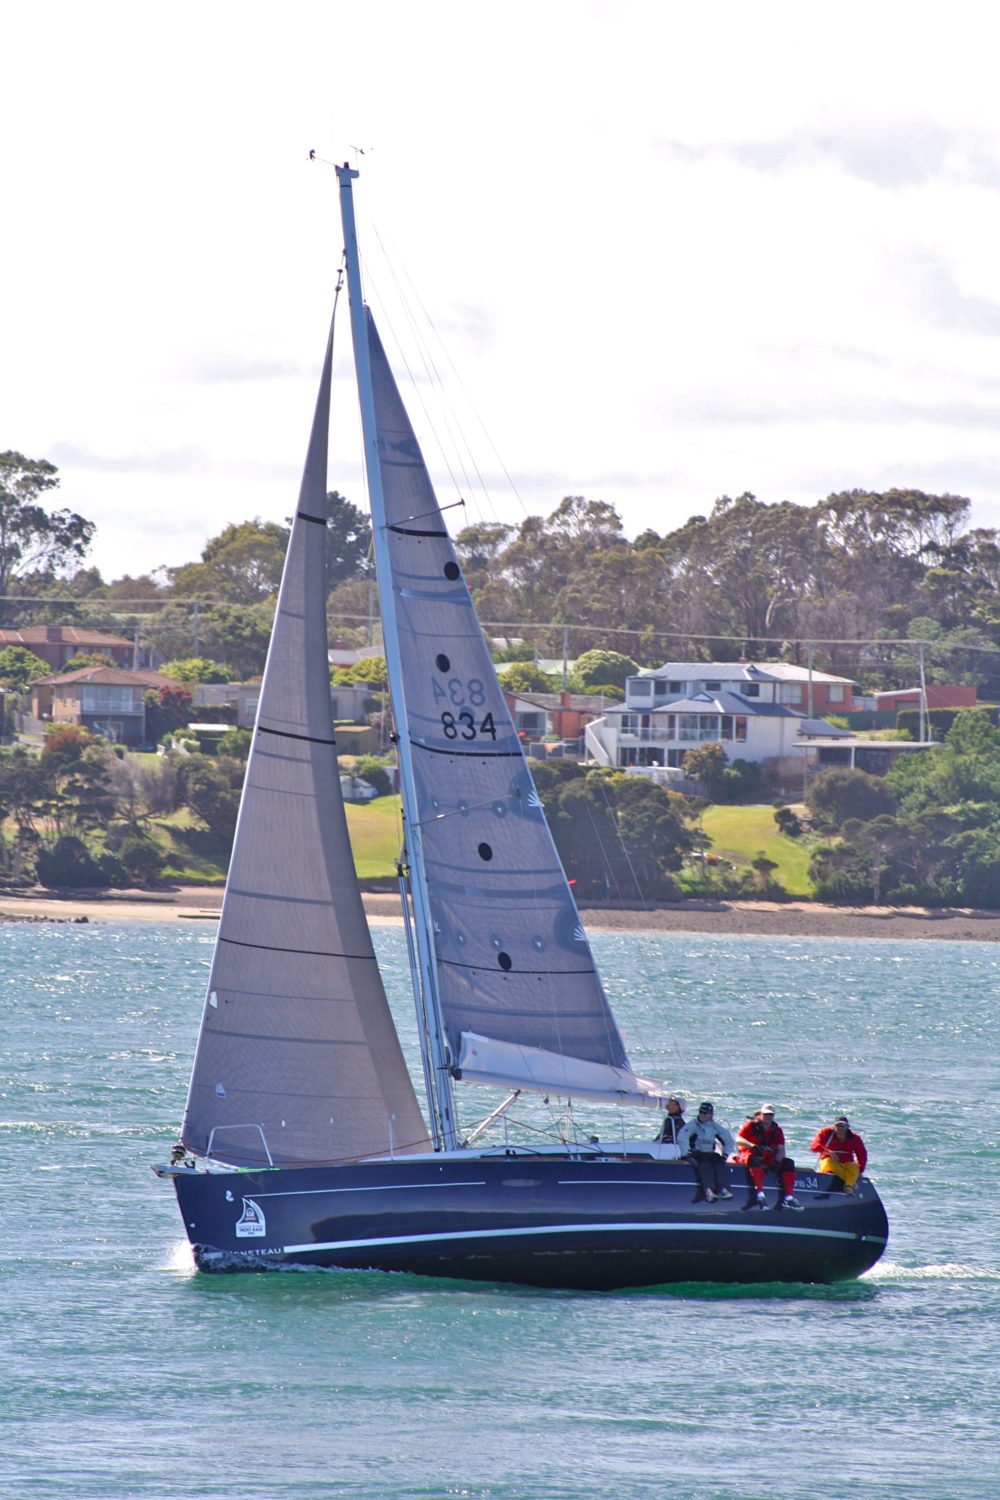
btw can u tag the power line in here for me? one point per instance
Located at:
(664, 632)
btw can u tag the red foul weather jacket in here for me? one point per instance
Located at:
(765, 1138)
(851, 1148)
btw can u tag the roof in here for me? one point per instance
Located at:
(109, 676)
(722, 703)
(68, 635)
(813, 727)
(588, 703)
(734, 671)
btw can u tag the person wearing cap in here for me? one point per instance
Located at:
(841, 1152)
(701, 1141)
(761, 1143)
(673, 1120)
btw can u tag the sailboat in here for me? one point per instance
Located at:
(304, 1142)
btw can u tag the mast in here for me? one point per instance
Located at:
(441, 1104)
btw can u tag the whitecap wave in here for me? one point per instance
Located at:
(888, 1270)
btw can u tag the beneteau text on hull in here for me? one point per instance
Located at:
(303, 1140)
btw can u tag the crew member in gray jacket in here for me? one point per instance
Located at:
(702, 1140)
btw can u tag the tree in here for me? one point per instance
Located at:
(192, 670)
(242, 564)
(142, 859)
(707, 764)
(371, 669)
(31, 537)
(235, 743)
(211, 788)
(597, 668)
(348, 541)
(19, 666)
(166, 710)
(372, 770)
(525, 677)
(841, 793)
(764, 867)
(618, 836)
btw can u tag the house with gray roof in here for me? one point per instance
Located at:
(762, 712)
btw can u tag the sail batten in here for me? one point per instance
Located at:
(298, 1059)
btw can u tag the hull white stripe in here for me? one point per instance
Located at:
(378, 1187)
(556, 1229)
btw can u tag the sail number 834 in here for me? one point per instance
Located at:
(460, 719)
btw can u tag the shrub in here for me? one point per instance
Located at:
(788, 822)
(236, 743)
(599, 666)
(142, 859)
(841, 793)
(69, 863)
(371, 769)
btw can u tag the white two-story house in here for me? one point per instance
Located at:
(756, 711)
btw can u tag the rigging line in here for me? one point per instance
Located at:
(473, 408)
(462, 446)
(405, 520)
(404, 360)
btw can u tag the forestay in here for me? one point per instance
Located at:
(512, 959)
(298, 1059)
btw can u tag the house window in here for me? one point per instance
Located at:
(791, 692)
(835, 692)
(628, 723)
(727, 727)
(713, 687)
(751, 690)
(740, 725)
(639, 688)
(100, 698)
(532, 724)
(675, 687)
(698, 727)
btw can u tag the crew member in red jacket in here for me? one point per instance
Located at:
(842, 1152)
(761, 1143)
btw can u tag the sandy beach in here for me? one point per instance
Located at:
(720, 918)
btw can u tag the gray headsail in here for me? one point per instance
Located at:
(298, 1059)
(520, 997)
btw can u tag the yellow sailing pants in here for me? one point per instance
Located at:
(847, 1171)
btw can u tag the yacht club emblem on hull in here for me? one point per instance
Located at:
(251, 1222)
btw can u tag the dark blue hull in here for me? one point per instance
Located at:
(587, 1224)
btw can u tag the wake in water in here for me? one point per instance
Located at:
(888, 1271)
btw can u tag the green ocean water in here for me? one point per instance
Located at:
(125, 1373)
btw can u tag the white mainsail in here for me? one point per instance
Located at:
(298, 1060)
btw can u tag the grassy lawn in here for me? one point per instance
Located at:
(376, 832)
(193, 860)
(740, 833)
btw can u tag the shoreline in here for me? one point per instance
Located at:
(709, 918)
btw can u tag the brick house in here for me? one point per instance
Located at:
(58, 644)
(105, 700)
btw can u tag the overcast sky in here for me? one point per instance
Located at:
(659, 252)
